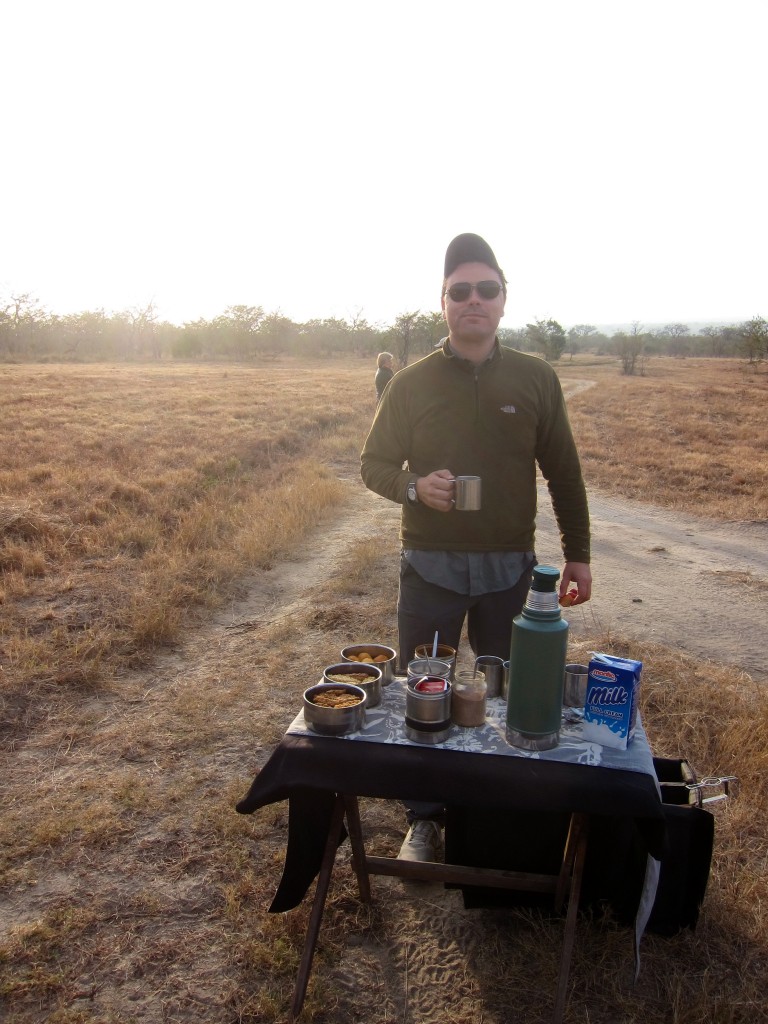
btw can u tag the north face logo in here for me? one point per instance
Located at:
(508, 408)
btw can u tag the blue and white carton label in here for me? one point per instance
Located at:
(610, 707)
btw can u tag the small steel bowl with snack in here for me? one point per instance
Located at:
(334, 709)
(381, 656)
(368, 677)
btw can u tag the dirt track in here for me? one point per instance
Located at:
(675, 579)
(672, 579)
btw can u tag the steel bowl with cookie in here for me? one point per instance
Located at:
(334, 709)
(373, 654)
(367, 676)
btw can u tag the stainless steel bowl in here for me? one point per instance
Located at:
(371, 684)
(375, 650)
(334, 721)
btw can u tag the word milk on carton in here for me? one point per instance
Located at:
(610, 707)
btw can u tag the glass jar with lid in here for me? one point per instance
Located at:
(468, 699)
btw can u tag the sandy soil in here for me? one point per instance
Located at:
(671, 578)
(674, 579)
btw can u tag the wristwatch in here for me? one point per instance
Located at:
(411, 493)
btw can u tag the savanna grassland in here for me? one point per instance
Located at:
(171, 538)
(689, 435)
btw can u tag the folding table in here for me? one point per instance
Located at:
(322, 777)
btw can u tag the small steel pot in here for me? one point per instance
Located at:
(371, 685)
(376, 651)
(334, 721)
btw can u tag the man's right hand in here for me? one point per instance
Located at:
(437, 490)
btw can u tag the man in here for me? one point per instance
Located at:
(473, 407)
(385, 371)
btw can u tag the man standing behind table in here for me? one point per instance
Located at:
(473, 407)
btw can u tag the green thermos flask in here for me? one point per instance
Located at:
(537, 666)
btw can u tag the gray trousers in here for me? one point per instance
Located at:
(423, 608)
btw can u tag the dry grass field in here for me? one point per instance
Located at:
(132, 499)
(690, 435)
(180, 550)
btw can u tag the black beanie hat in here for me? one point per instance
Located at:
(469, 248)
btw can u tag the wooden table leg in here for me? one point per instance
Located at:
(318, 905)
(352, 811)
(576, 851)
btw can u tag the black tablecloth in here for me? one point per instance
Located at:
(309, 771)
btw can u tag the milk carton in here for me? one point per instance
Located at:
(610, 707)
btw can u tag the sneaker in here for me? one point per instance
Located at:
(424, 842)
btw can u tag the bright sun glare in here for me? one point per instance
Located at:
(316, 159)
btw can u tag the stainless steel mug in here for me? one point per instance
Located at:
(575, 685)
(468, 491)
(493, 670)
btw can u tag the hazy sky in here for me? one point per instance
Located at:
(317, 157)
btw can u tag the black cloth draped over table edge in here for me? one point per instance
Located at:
(310, 771)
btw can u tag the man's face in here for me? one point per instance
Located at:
(475, 319)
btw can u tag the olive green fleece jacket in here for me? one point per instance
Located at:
(496, 421)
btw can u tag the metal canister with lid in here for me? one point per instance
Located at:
(428, 709)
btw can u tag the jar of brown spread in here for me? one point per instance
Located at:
(468, 700)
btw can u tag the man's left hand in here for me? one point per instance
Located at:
(580, 575)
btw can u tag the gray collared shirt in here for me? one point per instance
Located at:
(470, 572)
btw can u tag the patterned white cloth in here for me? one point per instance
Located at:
(385, 724)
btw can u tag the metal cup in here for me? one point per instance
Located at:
(575, 685)
(468, 490)
(493, 670)
(444, 653)
(428, 667)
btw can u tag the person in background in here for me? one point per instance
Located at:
(473, 407)
(385, 372)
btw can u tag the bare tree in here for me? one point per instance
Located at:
(576, 335)
(716, 340)
(630, 349)
(677, 335)
(21, 320)
(404, 331)
(547, 337)
(143, 331)
(754, 334)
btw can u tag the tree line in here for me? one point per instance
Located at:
(243, 333)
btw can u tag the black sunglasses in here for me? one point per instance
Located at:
(462, 290)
